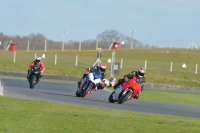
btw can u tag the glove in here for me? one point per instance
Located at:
(106, 82)
(41, 73)
(102, 82)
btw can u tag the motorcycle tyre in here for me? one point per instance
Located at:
(78, 93)
(125, 97)
(110, 99)
(32, 81)
(85, 91)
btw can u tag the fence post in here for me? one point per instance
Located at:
(45, 46)
(14, 57)
(196, 68)
(80, 46)
(28, 46)
(150, 43)
(145, 65)
(76, 60)
(121, 63)
(97, 45)
(170, 44)
(171, 66)
(55, 59)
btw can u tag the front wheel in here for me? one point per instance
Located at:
(124, 97)
(32, 81)
(78, 93)
(110, 99)
(85, 91)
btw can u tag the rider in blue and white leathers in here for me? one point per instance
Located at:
(95, 77)
(101, 68)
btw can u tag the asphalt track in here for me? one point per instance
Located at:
(61, 92)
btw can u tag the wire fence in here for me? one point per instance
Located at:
(45, 45)
(122, 64)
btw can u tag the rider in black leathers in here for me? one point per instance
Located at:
(139, 77)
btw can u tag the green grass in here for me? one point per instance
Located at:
(27, 116)
(173, 97)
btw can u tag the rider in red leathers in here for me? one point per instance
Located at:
(39, 63)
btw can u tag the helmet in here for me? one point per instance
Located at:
(102, 67)
(141, 72)
(38, 59)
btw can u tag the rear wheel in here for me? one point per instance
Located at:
(124, 97)
(110, 99)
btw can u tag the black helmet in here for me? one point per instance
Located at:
(141, 72)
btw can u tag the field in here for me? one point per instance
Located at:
(157, 62)
(26, 116)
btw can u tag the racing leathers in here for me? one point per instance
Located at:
(139, 80)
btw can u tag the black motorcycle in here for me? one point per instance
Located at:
(34, 76)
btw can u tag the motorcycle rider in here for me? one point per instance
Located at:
(102, 69)
(39, 63)
(140, 79)
(95, 76)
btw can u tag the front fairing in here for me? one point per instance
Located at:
(35, 70)
(117, 92)
(87, 78)
(132, 84)
(85, 82)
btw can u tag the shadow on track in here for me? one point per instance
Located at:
(76, 97)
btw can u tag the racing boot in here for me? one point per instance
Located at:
(137, 96)
(118, 84)
(95, 88)
(79, 83)
(27, 74)
(115, 86)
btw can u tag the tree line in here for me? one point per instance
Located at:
(37, 41)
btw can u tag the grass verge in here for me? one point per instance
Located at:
(27, 116)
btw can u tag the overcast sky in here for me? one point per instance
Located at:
(156, 20)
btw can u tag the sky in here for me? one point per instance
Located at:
(155, 21)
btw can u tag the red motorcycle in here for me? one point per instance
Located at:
(125, 92)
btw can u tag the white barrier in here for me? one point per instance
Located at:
(1, 89)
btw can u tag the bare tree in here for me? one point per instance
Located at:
(37, 41)
(107, 37)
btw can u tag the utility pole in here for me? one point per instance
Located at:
(132, 38)
(63, 33)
